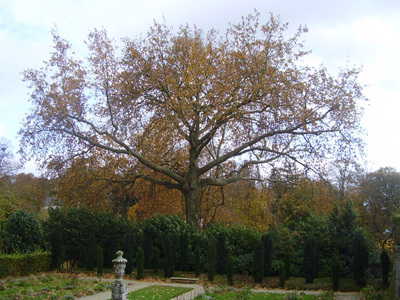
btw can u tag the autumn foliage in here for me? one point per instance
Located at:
(190, 111)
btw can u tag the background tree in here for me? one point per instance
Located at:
(189, 110)
(343, 224)
(8, 165)
(381, 198)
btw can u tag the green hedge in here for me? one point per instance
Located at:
(24, 264)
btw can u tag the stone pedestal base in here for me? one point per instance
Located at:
(119, 290)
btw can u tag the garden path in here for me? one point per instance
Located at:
(198, 289)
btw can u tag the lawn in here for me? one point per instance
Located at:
(158, 292)
(49, 287)
(246, 293)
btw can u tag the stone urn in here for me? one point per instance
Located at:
(119, 288)
(119, 265)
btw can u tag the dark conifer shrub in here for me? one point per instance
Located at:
(282, 275)
(267, 242)
(335, 271)
(258, 262)
(148, 250)
(385, 266)
(56, 258)
(211, 258)
(287, 261)
(310, 259)
(129, 252)
(197, 261)
(361, 258)
(229, 269)
(169, 257)
(184, 251)
(222, 252)
(90, 252)
(156, 259)
(82, 256)
(99, 260)
(109, 250)
(139, 263)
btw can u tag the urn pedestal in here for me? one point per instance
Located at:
(119, 288)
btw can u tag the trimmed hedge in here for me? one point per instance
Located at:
(24, 264)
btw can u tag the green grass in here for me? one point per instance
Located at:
(158, 292)
(49, 287)
(226, 294)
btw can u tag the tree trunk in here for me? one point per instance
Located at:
(191, 190)
(191, 204)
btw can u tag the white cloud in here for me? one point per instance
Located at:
(361, 32)
(2, 131)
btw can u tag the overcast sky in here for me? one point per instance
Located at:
(341, 33)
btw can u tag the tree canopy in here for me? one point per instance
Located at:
(187, 109)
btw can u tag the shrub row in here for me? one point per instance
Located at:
(75, 235)
(24, 264)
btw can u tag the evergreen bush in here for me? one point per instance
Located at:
(169, 257)
(90, 252)
(23, 233)
(361, 259)
(197, 261)
(56, 250)
(99, 260)
(156, 259)
(157, 227)
(211, 258)
(335, 271)
(75, 225)
(222, 252)
(229, 269)
(310, 259)
(385, 266)
(129, 253)
(282, 275)
(267, 243)
(287, 263)
(21, 264)
(184, 251)
(139, 263)
(147, 249)
(258, 262)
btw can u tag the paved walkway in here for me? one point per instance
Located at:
(137, 285)
(198, 289)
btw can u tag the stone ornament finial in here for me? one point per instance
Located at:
(119, 289)
(119, 265)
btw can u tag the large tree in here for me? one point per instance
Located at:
(8, 165)
(380, 192)
(190, 109)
